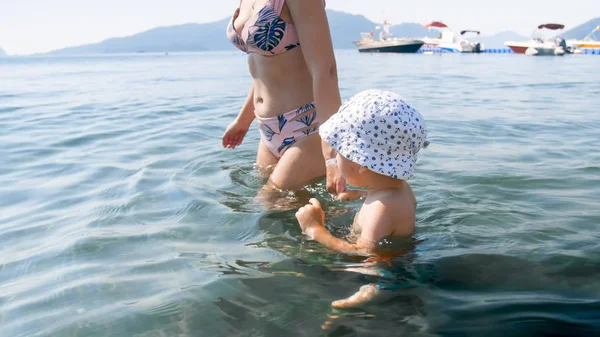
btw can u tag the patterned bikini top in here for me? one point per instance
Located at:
(265, 33)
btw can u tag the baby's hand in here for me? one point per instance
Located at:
(310, 215)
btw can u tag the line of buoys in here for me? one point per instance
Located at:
(591, 51)
(430, 50)
(424, 50)
(498, 51)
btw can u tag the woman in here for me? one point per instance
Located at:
(294, 89)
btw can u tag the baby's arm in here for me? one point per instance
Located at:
(375, 226)
(312, 220)
(371, 234)
(322, 236)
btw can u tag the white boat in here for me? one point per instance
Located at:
(537, 46)
(589, 42)
(545, 49)
(386, 42)
(451, 42)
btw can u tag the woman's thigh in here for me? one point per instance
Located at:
(265, 160)
(301, 164)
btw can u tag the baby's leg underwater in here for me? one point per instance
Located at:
(382, 290)
(365, 294)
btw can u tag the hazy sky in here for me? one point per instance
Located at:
(32, 26)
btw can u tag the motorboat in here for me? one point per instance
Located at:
(589, 42)
(538, 46)
(448, 41)
(385, 42)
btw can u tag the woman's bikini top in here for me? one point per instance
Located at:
(265, 33)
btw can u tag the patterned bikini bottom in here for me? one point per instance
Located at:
(280, 132)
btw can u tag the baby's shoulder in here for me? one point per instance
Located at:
(394, 204)
(394, 211)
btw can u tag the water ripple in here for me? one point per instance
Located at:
(122, 216)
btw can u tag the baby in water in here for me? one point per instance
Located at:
(377, 136)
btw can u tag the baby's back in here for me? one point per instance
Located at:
(386, 213)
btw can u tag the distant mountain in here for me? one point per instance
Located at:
(497, 40)
(413, 30)
(2, 52)
(188, 37)
(345, 28)
(583, 30)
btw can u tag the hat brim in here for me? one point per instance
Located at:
(340, 140)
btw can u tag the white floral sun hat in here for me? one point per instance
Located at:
(378, 130)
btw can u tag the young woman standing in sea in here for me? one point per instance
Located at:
(294, 89)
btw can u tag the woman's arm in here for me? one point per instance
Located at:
(311, 24)
(246, 115)
(236, 131)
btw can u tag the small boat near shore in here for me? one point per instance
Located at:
(451, 42)
(589, 42)
(537, 46)
(386, 43)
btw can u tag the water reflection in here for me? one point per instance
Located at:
(296, 299)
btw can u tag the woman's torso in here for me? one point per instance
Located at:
(281, 82)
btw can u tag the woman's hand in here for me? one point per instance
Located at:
(234, 135)
(351, 195)
(311, 216)
(336, 184)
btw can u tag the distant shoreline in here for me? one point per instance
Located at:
(210, 37)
